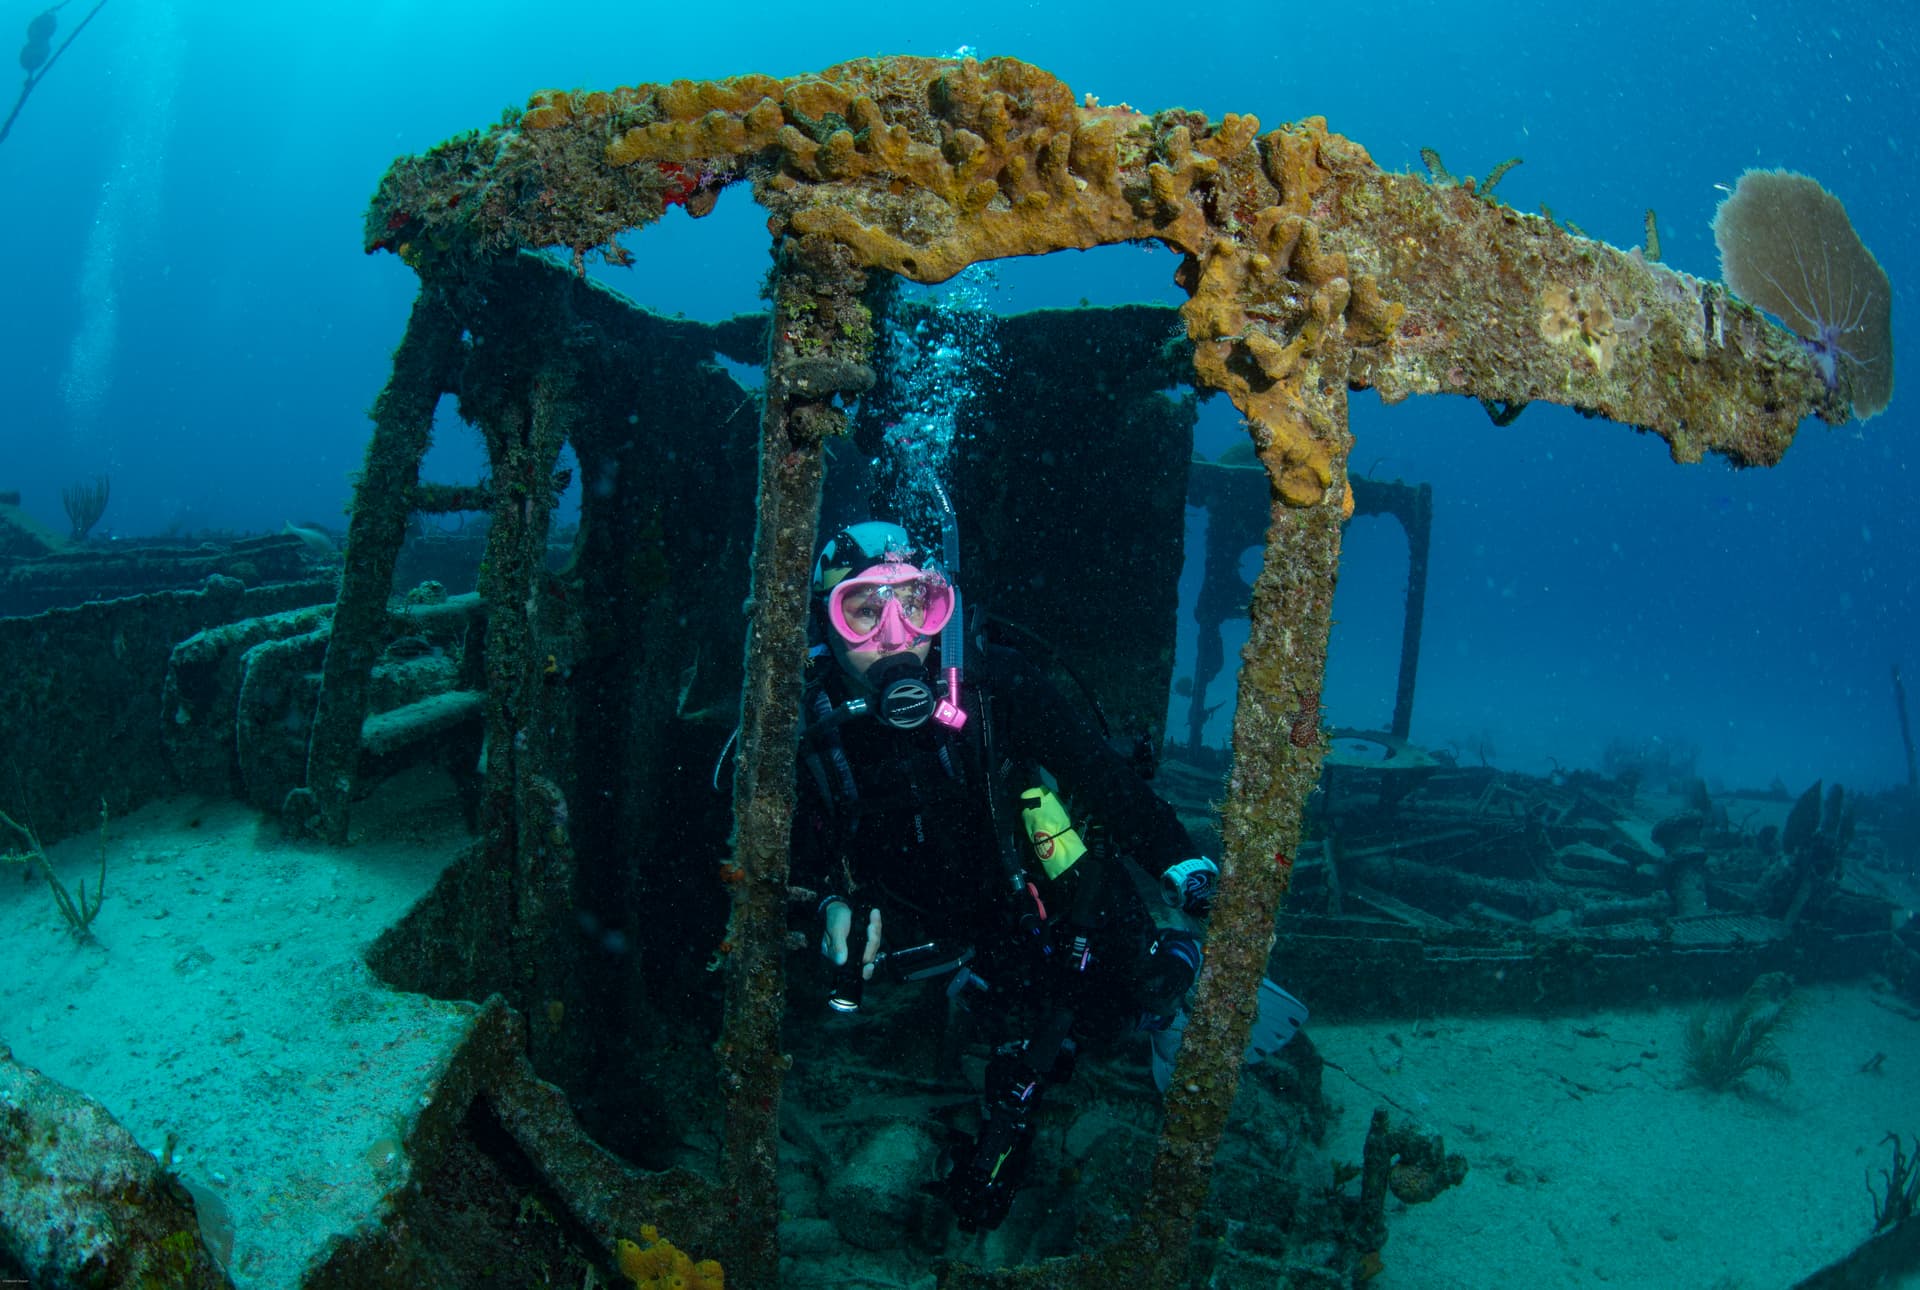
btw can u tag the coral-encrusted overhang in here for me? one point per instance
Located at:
(1512, 308)
(1306, 260)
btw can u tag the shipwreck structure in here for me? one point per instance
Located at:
(595, 695)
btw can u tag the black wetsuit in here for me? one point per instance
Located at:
(925, 826)
(903, 821)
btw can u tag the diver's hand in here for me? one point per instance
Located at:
(873, 947)
(833, 941)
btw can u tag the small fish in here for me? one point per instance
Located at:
(316, 540)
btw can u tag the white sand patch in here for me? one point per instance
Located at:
(1590, 1164)
(226, 1003)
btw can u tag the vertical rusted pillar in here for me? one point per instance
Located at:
(524, 415)
(813, 357)
(1220, 596)
(402, 431)
(1418, 521)
(1376, 1166)
(1276, 761)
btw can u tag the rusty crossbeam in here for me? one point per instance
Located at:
(1308, 270)
(1512, 309)
(1296, 238)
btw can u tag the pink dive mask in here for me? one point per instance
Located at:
(891, 606)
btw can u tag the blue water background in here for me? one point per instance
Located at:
(186, 306)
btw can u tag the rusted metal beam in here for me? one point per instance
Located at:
(1512, 308)
(818, 352)
(402, 431)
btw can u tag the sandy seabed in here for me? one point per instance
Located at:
(1591, 1162)
(226, 1004)
(222, 1004)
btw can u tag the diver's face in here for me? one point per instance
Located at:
(886, 612)
(857, 661)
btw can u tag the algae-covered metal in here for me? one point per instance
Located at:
(1309, 270)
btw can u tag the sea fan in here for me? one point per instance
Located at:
(1787, 245)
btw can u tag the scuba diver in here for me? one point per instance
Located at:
(960, 819)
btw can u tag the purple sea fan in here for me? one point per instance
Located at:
(1787, 245)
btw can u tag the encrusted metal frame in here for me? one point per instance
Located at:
(1309, 270)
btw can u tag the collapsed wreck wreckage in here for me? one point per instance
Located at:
(1427, 884)
(581, 695)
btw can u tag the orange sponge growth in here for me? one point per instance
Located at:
(548, 109)
(662, 1265)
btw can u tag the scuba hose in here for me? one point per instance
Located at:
(1031, 910)
(952, 659)
(953, 637)
(720, 762)
(1038, 644)
(822, 718)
